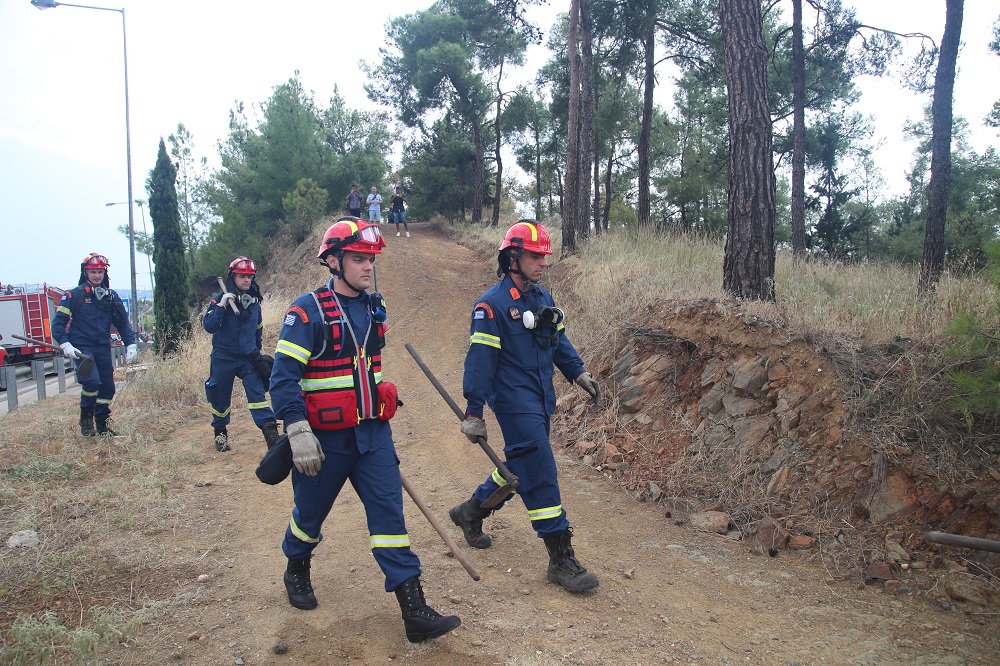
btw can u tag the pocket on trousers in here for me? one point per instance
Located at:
(388, 400)
(332, 410)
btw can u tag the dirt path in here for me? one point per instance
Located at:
(667, 595)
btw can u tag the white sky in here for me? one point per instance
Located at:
(62, 108)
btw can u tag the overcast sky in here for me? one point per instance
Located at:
(62, 102)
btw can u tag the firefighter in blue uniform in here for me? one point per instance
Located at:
(327, 387)
(90, 310)
(237, 338)
(517, 335)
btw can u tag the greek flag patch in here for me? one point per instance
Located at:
(289, 319)
(479, 314)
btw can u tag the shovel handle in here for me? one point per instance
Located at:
(459, 555)
(506, 473)
(222, 286)
(36, 342)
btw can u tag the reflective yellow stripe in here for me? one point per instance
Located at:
(485, 339)
(104, 401)
(300, 354)
(547, 512)
(221, 414)
(260, 325)
(390, 541)
(560, 327)
(346, 381)
(497, 477)
(88, 393)
(299, 534)
(64, 310)
(257, 405)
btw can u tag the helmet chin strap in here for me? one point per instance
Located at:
(339, 272)
(515, 267)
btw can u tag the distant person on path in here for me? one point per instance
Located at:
(327, 386)
(237, 340)
(90, 310)
(374, 202)
(398, 203)
(353, 199)
(517, 336)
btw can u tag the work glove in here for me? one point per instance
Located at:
(589, 384)
(69, 351)
(226, 299)
(130, 353)
(474, 427)
(307, 454)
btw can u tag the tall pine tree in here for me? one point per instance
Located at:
(172, 295)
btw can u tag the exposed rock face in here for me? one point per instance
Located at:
(711, 407)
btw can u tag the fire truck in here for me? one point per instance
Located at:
(28, 311)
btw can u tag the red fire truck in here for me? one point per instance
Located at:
(27, 311)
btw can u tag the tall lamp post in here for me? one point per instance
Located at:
(149, 261)
(51, 4)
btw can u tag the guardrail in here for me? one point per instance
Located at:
(38, 372)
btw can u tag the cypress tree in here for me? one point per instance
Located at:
(172, 294)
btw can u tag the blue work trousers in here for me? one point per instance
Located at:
(529, 455)
(98, 388)
(219, 390)
(375, 477)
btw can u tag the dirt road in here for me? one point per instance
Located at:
(667, 594)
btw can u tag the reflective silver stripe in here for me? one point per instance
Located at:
(547, 512)
(390, 540)
(299, 534)
(346, 381)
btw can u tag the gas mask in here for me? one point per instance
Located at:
(246, 300)
(544, 325)
(544, 318)
(100, 293)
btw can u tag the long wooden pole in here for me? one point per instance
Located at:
(448, 541)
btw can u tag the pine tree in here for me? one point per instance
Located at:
(170, 300)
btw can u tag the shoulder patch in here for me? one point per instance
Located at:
(482, 310)
(294, 311)
(515, 294)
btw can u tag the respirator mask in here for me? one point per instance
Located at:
(544, 325)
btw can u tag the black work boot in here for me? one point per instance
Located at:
(469, 516)
(563, 566)
(102, 426)
(420, 620)
(270, 430)
(299, 585)
(87, 421)
(221, 440)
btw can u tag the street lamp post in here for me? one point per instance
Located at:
(149, 261)
(51, 4)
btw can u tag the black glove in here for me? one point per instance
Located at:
(263, 363)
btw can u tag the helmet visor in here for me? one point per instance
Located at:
(243, 266)
(96, 261)
(370, 234)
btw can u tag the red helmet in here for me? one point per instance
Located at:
(350, 234)
(94, 260)
(527, 235)
(243, 266)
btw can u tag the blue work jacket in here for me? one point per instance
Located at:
(91, 318)
(232, 334)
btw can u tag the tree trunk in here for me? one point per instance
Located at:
(748, 267)
(572, 188)
(607, 189)
(645, 130)
(479, 191)
(584, 207)
(941, 111)
(495, 221)
(538, 175)
(798, 135)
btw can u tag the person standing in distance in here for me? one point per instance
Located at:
(328, 389)
(374, 201)
(353, 199)
(517, 336)
(398, 204)
(236, 340)
(89, 310)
